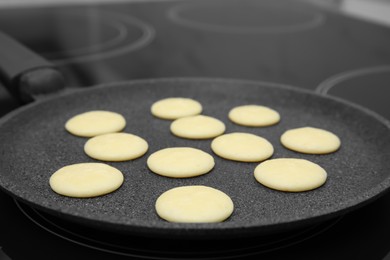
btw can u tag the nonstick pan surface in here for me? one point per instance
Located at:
(34, 144)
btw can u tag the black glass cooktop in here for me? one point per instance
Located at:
(290, 42)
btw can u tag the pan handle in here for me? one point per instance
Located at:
(26, 74)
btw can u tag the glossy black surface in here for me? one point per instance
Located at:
(21, 237)
(291, 42)
(181, 38)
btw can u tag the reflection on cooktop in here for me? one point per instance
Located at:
(90, 34)
(245, 17)
(99, 35)
(369, 87)
(153, 248)
(71, 31)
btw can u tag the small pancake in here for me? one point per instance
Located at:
(310, 140)
(85, 180)
(95, 122)
(243, 147)
(290, 174)
(254, 115)
(176, 107)
(180, 162)
(197, 127)
(194, 204)
(116, 147)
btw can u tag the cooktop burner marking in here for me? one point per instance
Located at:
(145, 248)
(120, 42)
(120, 35)
(245, 17)
(325, 86)
(368, 87)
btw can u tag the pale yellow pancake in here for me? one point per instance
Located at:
(116, 147)
(290, 174)
(194, 204)
(95, 122)
(310, 140)
(254, 115)
(176, 107)
(180, 162)
(242, 147)
(197, 127)
(84, 180)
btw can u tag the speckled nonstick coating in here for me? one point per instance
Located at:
(34, 144)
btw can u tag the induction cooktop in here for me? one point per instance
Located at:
(297, 43)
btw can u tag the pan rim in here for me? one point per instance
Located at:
(200, 229)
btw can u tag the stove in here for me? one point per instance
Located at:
(299, 43)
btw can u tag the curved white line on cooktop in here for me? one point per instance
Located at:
(325, 86)
(115, 46)
(120, 35)
(176, 15)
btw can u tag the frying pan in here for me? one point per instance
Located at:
(34, 144)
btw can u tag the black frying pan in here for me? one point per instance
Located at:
(34, 144)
